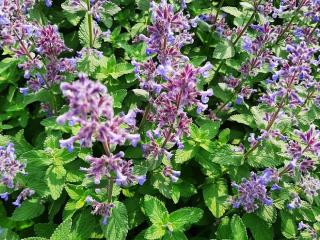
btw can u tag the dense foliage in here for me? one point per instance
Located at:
(138, 119)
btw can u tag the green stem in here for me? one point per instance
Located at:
(172, 125)
(106, 148)
(90, 23)
(218, 11)
(145, 115)
(274, 116)
(290, 23)
(26, 51)
(238, 37)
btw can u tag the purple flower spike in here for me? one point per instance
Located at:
(254, 190)
(26, 193)
(91, 107)
(9, 166)
(101, 209)
(4, 196)
(169, 172)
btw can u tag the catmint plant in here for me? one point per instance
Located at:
(91, 108)
(170, 80)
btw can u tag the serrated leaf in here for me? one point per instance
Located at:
(184, 217)
(209, 130)
(56, 180)
(118, 97)
(225, 155)
(111, 8)
(224, 136)
(155, 210)
(245, 119)
(175, 236)
(232, 11)
(259, 228)
(238, 228)
(288, 225)
(62, 231)
(117, 227)
(154, 232)
(267, 213)
(185, 154)
(84, 33)
(212, 194)
(143, 4)
(224, 228)
(224, 50)
(29, 209)
(266, 156)
(85, 225)
(204, 159)
(141, 93)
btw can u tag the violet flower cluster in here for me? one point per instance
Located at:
(108, 166)
(25, 193)
(254, 191)
(91, 108)
(10, 167)
(101, 209)
(308, 229)
(170, 80)
(48, 46)
(38, 47)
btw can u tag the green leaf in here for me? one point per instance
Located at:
(143, 4)
(155, 210)
(29, 209)
(246, 119)
(224, 50)
(258, 114)
(213, 194)
(175, 236)
(238, 228)
(259, 228)
(184, 217)
(44, 230)
(288, 225)
(224, 228)
(154, 232)
(141, 93)
(118, 97)
(56, 180)
(117, 227)
(85, 225)
(135, 215)
(225, 155)
(267, 213)
(209, 130)
(111, 8)
(232, 11)
(204, 158)
(185, 154)
(84, 33)
(266, 155)
(224, 136)
(62, 231)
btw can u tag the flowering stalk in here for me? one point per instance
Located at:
(239, 36)
(91, 108)
(90, 24)
(288, 26)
